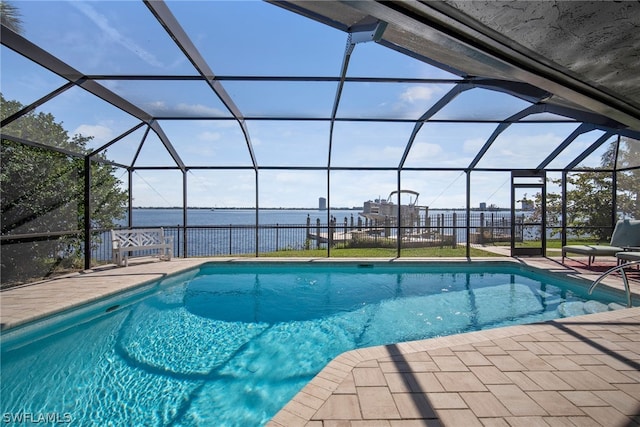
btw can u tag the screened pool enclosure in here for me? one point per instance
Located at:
(469, 123)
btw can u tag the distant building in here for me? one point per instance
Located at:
(483, 206)
(322, 204)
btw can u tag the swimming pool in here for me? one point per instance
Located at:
(230, 344)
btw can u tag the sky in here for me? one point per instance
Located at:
(251, 38)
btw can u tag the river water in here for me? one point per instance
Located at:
(159, 217)
(156, 217)
(213, 232)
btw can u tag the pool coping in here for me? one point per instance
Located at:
(19, 306)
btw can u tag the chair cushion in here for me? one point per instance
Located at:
(592, 250)
(628, 256)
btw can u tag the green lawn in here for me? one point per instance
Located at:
(552, 243)
(381, 253)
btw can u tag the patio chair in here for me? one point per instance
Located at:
(625, 235)
(628, 256)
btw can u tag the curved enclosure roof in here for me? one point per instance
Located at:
(329, 86)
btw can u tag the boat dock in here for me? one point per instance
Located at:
(365, 237)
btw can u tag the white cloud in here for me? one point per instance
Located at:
(101, 134)
(213, 188)
(209, 136)
(182, 109)
(414, 101)
(198, 110)
(418, 93)
(424, 151)
(157, 106)
(102, 22)
(524, 150)
(365, 155)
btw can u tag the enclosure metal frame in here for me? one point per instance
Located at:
(362, 32)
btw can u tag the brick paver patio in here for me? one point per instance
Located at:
(581, 371)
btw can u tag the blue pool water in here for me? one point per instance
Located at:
(229, 345)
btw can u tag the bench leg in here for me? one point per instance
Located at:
(165, 254)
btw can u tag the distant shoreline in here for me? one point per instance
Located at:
(309, 209)
(250, 208)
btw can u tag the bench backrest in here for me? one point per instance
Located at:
(139, 237)
(626, 233)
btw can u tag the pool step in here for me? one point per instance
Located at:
(578, 308)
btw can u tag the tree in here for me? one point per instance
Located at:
(10, 17)
(42, 194)
(590, 193)
(590, 203)
(628, 181)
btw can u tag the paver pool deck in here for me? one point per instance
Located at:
(579, 371)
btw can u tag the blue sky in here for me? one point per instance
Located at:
(253, 38)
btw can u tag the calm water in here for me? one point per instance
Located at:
(229, 345)
(204, 239)
(167, 217)
(221, 241)
(171, 217)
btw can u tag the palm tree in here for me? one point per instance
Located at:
(10, 17)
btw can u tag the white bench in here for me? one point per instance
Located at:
(126, 241)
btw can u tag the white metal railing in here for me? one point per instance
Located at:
(625, 280)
